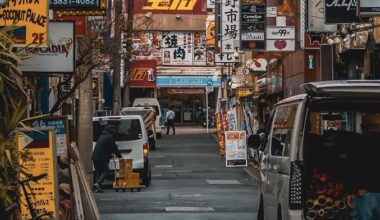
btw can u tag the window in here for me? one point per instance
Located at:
(127, 130)
(282, 130)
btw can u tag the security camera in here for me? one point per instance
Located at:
(178, 16)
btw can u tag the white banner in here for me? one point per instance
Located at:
(230, 29)
(58, 56)
(280, 45)
(177, 48)
(280, 33)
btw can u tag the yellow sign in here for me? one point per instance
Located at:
(186, 5)
(243, 92)
(31, 16)
(43, 194)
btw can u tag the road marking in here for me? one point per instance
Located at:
(227, 182)
(156, 156)
(189, 209)
(186, 196)
(164, 166)
(178, 171)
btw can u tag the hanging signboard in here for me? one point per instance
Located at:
(369, 7)
(252, 26)
(341, 11)
(40, 144)
(280, 25)
(177, 48)
(210, 31)
(230, 25)
(225, 58)
(280, 45)
(236, 148)
(80, 28)
(74, 4)
(144, 44)
(316, 17)
(143, 74)
(200, 53)
(281, 33)
(58, 56)
(31, 18)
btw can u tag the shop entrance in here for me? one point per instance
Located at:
(187, 104)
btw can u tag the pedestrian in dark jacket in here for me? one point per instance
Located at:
(104, 148)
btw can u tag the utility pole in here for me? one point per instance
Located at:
(117, 27)
(128, 55)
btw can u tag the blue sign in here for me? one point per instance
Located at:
(183, 81)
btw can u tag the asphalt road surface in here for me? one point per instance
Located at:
(189, 182)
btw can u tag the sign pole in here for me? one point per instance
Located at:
(207, 109)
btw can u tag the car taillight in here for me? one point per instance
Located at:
(295, 197)
(146, 150)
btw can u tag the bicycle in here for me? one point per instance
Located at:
(24, 184)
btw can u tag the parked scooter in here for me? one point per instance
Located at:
(211, 118)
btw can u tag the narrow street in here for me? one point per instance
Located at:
(189, 181)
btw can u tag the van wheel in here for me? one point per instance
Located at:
(147, 176)
(260, 212)
(152, 144)
(279, 213)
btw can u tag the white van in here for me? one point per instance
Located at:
(152, 102)
(131, 134)
(319, 154)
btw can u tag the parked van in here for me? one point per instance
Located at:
(152, 102)
(131, 134)
(320, 152)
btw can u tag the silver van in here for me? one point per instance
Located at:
(132, 135)
(318, 156)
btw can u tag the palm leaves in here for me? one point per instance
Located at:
(13, 106)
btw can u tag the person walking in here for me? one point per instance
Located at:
(104, 148)
(170, 116)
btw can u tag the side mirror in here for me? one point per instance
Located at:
(254, 141)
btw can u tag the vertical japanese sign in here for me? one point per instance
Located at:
(40, 145)
(220, 132)
(236, 148)
(200, 53)
(252, 25)
(31, 16)
(177, 48)
(230, 30)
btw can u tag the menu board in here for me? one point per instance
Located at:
(236, 148)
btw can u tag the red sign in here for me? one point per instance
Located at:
(80, 28)
(313, 40)
(143, 74)
(185, 91)
(170, 6)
